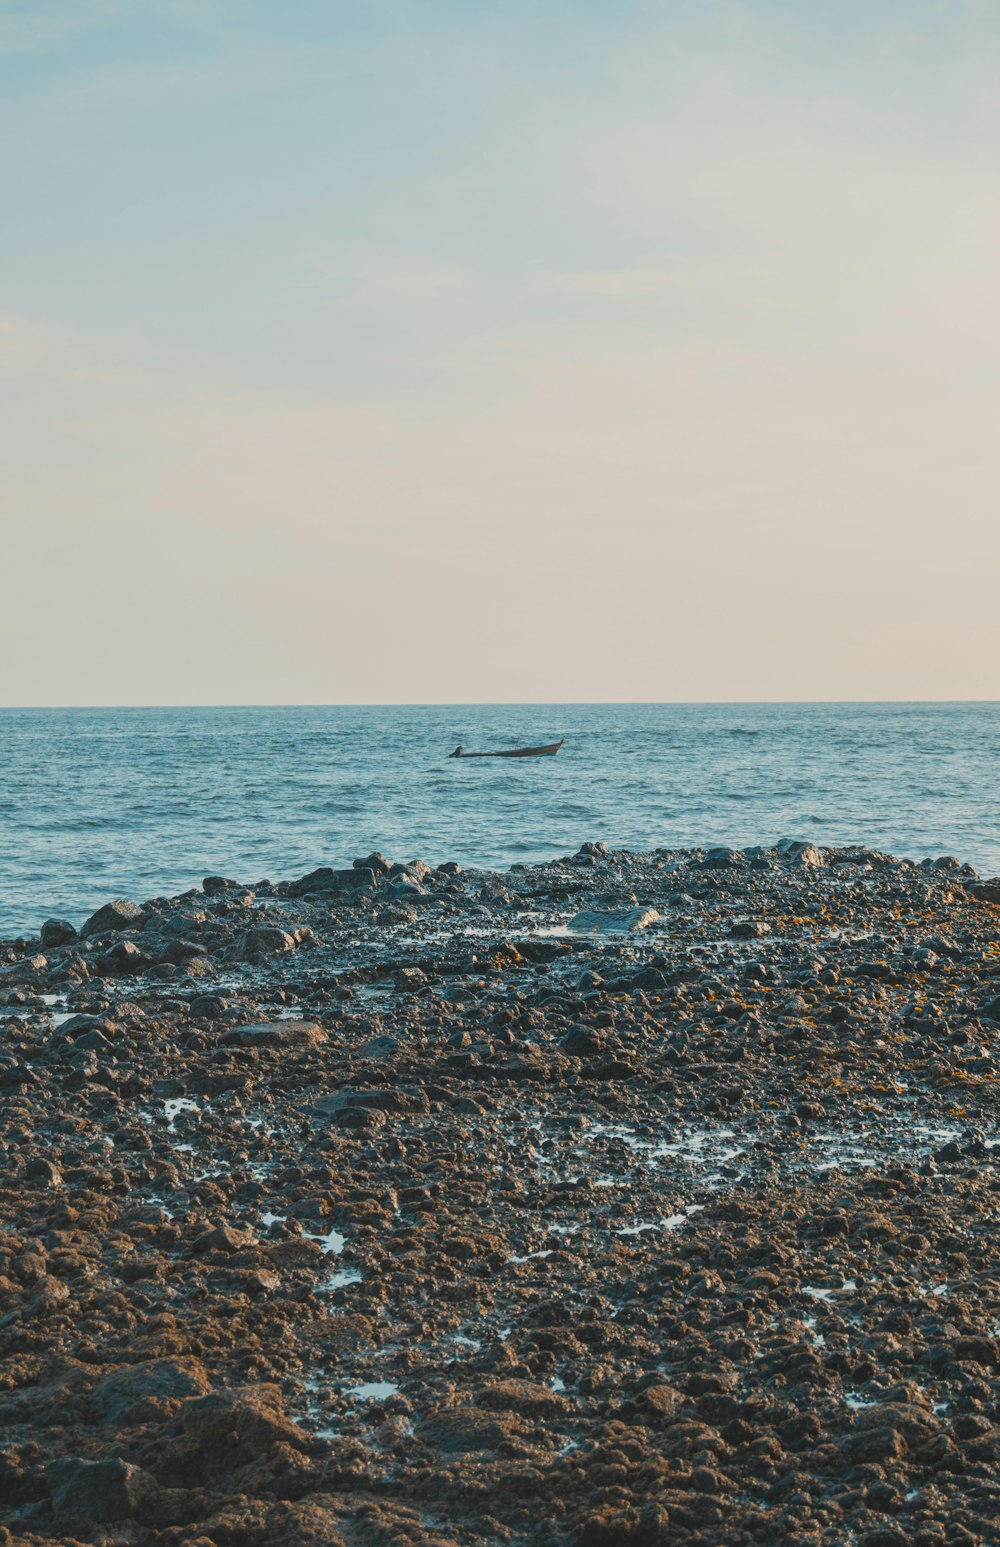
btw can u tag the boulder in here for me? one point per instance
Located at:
(276, 1034)
(214, 884)
(983, 891)
(612, 921)
(230, 1439)
(56, 932)
(136, 1393)
(120, 914)
(375, 862)
(721, 859)
(797, 851)
(87, 1493)
(358, 878)
(266, 940)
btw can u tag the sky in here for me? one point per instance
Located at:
(438, 351)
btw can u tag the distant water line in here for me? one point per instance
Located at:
(97, 803)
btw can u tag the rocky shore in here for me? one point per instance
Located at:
(627, 1199)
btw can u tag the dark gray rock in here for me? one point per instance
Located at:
(56, 932)
(797, 851)
(214, 884)
(721, 859)
(259, 944)
(120, 914)
(376, 862)
(86, 1493)
(136, 1393)
(359, 878)
(276, 1034)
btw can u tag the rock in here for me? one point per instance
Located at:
(799, 852)
(258, 944)
(224, 1238)
(525, 1397)
(375, 862)
(124, 957)
(613, 921)
(215, 884)
(276, 1034)
(94, 1041)
(209, 1006)
(78, 1024)
(991, 1009)
(39, 1169)
(231, 1436)
(56, 932)
(415, 870)
(721, 859)
(87, 1493)
(983, 891)
(450, 868)
(357, 879)
(136, 1393)
(120, 914)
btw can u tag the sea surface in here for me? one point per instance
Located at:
(101, 803)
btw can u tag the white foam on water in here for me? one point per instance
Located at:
(270, 1219)
(530, 1256)
(851, 1399)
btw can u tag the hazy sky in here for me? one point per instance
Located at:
(497, 349)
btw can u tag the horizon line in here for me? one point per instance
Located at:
(504, 703)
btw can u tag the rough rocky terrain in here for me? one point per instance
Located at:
(633, 1199)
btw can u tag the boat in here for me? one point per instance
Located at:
(549, 751)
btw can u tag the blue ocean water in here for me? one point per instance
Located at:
(96, 803)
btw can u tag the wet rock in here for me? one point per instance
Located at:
(375, 862)
(256, 945)
(224, 1238)
(120, 914)
(270, 1034)
(357, 879)
(55, 932)
(140, 1392)
(985, 891)
(89, 1493)
(234, 1439)
(612, 920)
(798, 852)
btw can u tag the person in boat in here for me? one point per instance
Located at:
(457, 752)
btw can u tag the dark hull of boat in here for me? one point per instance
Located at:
(549, 751)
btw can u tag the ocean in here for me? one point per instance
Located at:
(101, 803)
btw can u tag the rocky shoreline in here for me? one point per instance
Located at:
(623, 1199)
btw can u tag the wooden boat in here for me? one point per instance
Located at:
(549, 751)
